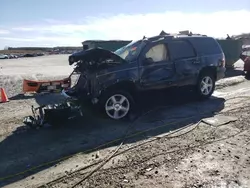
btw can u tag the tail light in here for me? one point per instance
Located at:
(222, 61)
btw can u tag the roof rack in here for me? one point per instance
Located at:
(165, 35)
(191, 35)
(158, 37)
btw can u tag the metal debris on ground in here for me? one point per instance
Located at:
(52, 114)
(219, 120)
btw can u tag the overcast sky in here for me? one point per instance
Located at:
(69, 22)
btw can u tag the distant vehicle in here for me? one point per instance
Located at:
(3, 56)
(40, 54)
(29, 55)
(113, 80)
(12, 56)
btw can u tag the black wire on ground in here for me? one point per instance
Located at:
(184, 148)
(113, 154)
(98, 167)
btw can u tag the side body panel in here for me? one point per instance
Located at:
(108, 77)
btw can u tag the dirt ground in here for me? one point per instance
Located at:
(178, 151)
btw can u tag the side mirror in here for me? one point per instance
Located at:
(148, 61)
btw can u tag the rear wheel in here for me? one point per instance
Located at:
(206, 85)
(117, 104)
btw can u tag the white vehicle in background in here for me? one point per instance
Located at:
(2, 56)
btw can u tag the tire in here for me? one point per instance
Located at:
(112, 106)
(205, 91)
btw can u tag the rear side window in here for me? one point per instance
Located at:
(206, 46)
(181, 50)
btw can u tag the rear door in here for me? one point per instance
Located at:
(156, 69)
(186, 62)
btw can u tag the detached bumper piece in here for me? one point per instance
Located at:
(46, 86)
(55, 114)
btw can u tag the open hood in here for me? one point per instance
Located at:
(93, 55)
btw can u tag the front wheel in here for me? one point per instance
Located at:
(206, 85)
(117, 104)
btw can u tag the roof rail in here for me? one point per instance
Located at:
(191, 34)
(157, 37)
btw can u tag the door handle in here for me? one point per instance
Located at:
(196, 62)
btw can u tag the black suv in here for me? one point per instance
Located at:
(113, 79)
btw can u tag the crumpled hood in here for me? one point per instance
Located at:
(93, 54)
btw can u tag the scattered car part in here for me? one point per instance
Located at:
(219, 120)
(46, 85)
(53, 114)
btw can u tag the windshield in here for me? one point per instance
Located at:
(131, 51)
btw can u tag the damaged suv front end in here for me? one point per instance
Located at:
(101, 70)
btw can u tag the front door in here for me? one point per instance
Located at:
(156, 70)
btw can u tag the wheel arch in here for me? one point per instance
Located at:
(210, 69)
(124, 85)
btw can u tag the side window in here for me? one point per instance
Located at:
(158, 53)
(180, 50)
(207, 46)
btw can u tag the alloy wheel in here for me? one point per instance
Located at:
(206, 85)
(117, 106)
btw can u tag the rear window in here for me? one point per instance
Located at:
(206, 46)
(180, 50)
